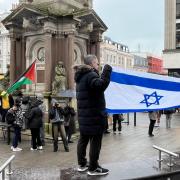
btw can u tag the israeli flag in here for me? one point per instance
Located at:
(131, 91)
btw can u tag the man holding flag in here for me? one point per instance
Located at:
(90, 89)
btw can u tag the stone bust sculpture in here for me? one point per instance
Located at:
(60, 81)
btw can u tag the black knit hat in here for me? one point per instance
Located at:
(17, 102)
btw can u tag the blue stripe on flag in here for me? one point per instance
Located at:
(145, 82)
(118, 111)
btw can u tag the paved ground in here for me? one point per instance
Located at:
(127, 155)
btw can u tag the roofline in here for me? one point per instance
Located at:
(85, 12)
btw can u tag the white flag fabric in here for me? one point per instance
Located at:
(131, 91)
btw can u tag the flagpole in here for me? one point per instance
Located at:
(35, 90)
(35, 81)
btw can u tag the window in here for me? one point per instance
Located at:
(177, 40)
(178, 9)
(119, 60)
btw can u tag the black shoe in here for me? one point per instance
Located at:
(55, 149)
(98, 172)
(151, 135)
(67, 149)
(43, 143)
(70, 141)
(106, 132)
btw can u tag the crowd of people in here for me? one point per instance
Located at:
(28, 113)
(154, 117)
(24, 113)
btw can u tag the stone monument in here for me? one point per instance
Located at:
(49, 31)
(60, 82)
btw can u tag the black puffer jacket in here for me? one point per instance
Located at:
(90, 89)
(35, 116)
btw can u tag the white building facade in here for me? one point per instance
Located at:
(4, 45)
(171, 53)
(140, 63)
(115, 54)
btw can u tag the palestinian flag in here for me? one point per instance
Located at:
(28, 77)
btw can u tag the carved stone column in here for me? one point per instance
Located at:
(98, 50)
(16, 48)
(12, 58)
(19, 61)
(95, 40)
(68, 59)
(23, 54)
(49, 61)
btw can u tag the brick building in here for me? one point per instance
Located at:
(155, 65)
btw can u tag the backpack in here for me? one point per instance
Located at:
(10, 118)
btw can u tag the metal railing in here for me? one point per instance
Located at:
(3, 167)
(171, 154)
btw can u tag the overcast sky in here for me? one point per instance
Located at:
(135, 23)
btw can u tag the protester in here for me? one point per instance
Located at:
(6, 102)
(69, 122)
(56, 116)
(159, 113)
(152, 118)
(43, 109)
(25, 109)
(14, 117)
(117, 118)
(106, 129)
(35, 123)
(169, 113)
(90, 89)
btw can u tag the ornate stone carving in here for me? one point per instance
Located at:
(4, 83)
(41, 54)
(60, 80)
(31, 24)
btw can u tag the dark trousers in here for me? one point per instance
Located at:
(42, 135)
(36, 141)
(17, 135)
(106, 125)
(151, 126)
(56, 129)
(3, 113)
(94, 151)
(68, 133)
(115, 121)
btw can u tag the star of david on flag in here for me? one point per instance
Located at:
(131, 91)
(151, 99)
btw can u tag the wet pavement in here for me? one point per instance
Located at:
(127, 155)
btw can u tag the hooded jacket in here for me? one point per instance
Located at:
(35, 116)
(90, 89)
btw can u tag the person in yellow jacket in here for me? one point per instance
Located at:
(6, 102)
